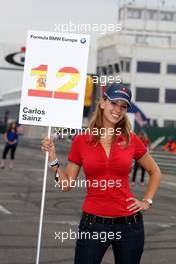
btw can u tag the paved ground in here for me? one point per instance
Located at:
(20, 197)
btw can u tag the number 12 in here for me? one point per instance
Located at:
(62, 92)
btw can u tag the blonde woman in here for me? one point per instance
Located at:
(111, 215)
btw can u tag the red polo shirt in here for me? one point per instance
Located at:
(107, 178)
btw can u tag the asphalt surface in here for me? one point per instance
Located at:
(20, 198)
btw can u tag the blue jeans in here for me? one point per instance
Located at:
(127, 242)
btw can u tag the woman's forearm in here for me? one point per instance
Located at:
(153, 184)
(5, 137)
(63, 178)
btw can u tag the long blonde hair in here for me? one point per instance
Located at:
(96, 121)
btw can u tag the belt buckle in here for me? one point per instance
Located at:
(135, 218)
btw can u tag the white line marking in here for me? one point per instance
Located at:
(4, 210)
(72, 223)
(28, 169)
(169, 183)
(164, 225)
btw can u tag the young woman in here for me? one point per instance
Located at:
(112, 212)
(11, 139)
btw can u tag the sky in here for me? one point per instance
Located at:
(19, 16)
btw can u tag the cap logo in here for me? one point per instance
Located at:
(123, 92)
(124, 89)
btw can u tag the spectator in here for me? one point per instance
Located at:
(11, 139)
(170, 145)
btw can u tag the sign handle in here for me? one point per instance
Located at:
(42, 202)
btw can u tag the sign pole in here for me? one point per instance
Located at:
(42, 202)
(43, 91)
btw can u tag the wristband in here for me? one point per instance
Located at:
(148, 200)
(56, 175)
(53, 163)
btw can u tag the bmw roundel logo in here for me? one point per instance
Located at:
(83, 40)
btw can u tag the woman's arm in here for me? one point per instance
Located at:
(66, 175)
(148, 163)
(5, 137)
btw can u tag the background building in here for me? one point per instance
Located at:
(143, 53)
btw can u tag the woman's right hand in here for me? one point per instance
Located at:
(48, 145)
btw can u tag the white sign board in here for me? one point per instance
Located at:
(54, 79)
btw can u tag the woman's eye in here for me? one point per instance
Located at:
(124, 107)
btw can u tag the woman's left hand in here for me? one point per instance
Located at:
(137, 205)
(12, 142)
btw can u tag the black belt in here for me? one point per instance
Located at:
(90, 218)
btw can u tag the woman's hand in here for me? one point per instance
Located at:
(12, 142)
(137, 205)
(48, 145)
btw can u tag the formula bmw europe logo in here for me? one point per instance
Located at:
(83, 40)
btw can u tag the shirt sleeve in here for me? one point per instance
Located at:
(140, 148)
(74, 153)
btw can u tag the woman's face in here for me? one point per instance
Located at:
(114, 111)
(13, 125)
